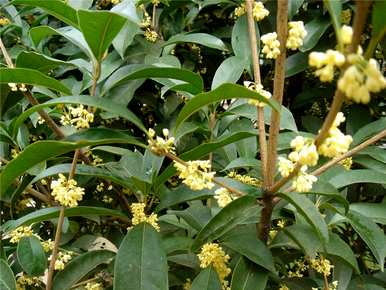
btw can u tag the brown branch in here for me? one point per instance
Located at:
(7, 58)
(257, 78)
(362, 9)
(278, 87)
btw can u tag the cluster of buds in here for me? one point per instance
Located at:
(245, 179)
(23, 282)
(61, 259)
(296, 34)
(258, 11)
(259, 89)
(66, 192)
(78, 116)
(223, 197)
(271, 48)
(17, 87)
(336, 143)
(161, 146)
(326, 63)
(150, 34)
(139, 216)
(196, 174)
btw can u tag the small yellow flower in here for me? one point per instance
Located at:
(281, 223)
(271, 47)
(346, 163)
(303, 181)
(4, 21)
(47, 245)
(245, 179)
(159, 145)
(100, 187)
(259, 89)
(285, 166)
(346, 34)
(283, 287)
(61, 259)
(20, 232)
(115, 2)
(196, 174)
(345, 16)
(325, 63)
(150, 35)
(139, 216)
(187, 285)
(258, 11)
(321, 265)
(14, 153)
(93, 286)
(66, 192)
(213, 254)
(23, 281)
(296, 34)
(96, 160)
(223, 197)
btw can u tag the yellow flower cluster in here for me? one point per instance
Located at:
(259, 12)
(346, 163)
(4, 21)
(297, 269)
(345, 16)
(78, 116)
(23, 281)
(139, 216)
(336, 142)
(96, 160)
(245, 179)
(150, 35)
(304, 151)
(332, 286)
(213, 254)
(271, 47)
(296, 34)
(285, 166)
(361, 78)
(47, 245)
(115, 2)
(14, 153)
(61, 259)
(283, 287)
(196, 174)
(159, 145)
(346, 34)
(321, 265)
(66, 192)
(187, 285)
(15, 87)
(20, 232)
(223, 197)
(325, 63)
(303, 181)
(93, 286)
(259, 89)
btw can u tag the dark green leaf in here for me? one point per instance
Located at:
(296, 63)
(337, 247)
(141, 262)
(31, 256)
(307, 209)
(246, 276)
(228, 218)
(229, 71)
(207, 279)
(358, 176)
(99, 29)
(374, 211)
(305, 237)
(223, 92)
(315, 29)
(335, 10)
(199, 38)
(77, 268)
(370, 129)
(33, 60)
(7, 278)
(31, 77)
(293, 7)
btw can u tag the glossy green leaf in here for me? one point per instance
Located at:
(293, 7)
(368, 130)
(378, 26)
(246, 276)
(228, 218)
(31, 77)
(358, 176)
(199, 38)
(56, 8)
(243, 162)
(337, 247)
(315, 29)
(296, 63)
(141, 262)
(335, 10)
(45, 214)
(43, 150)
(371, 234)
(374, 211)
(33, 60)
(78, 267)
(244, 241)
(229, 71)
(7, 278)
(223, 92)
(207, 279)
(99, 29)
(31, 256)
(100, 103)
(308, 210)
(305, 237)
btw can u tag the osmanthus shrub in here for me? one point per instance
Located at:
(198, 144)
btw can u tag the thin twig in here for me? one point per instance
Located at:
(257, 78)
(7, 58)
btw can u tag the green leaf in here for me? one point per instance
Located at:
(199, 38)
(374, 211)
(31, 256)
(371, 234)
(378, 26)
(229, 71)
(207, 279)
(305, 237)
(141, 262)
(244, 241)
(337, 247)
(240, 39)
(243, 162)
(40, 151)
(223, 92)
(335, 10)
(31, 77)
(307, 209)
(246, 276)
(100, 103)
(367, 131)
(228, 218)
(358, 176)
(99, 29)
(296, 63)
(133, 72)
(293, 7)
(53, 212)
(79, 267)
(7, 278)
(33, 60)
(56, 8)
(315, 29)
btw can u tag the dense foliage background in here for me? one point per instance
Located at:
(105, 72)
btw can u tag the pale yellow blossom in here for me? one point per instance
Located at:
(196, 174)
(66, 192)
(296, 34)
(139, 216)
(159, 145)
(259, 89)
(271, 48)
